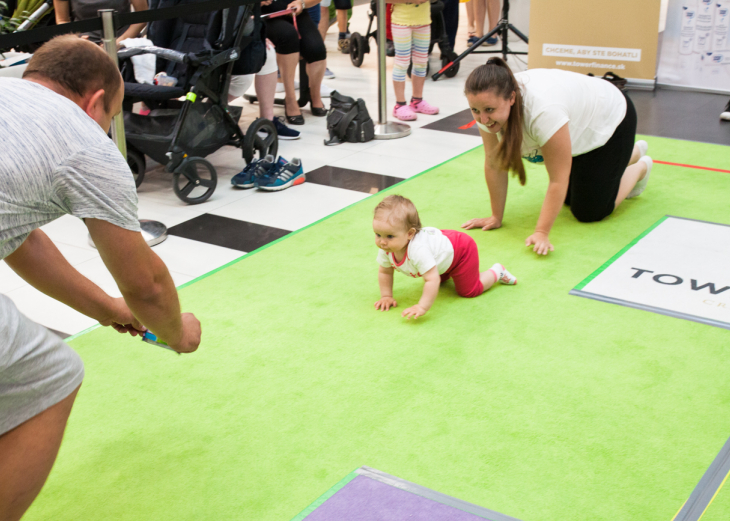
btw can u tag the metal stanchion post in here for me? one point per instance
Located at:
(153, 232)
(110, 46)
(385, 129)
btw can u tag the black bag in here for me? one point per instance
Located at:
(348, 121)
(614, 79)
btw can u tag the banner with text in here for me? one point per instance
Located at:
(695, 47)
(601, 36)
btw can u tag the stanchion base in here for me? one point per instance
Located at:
(391, 130)
(153, 232)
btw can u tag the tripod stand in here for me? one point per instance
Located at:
(502, 29)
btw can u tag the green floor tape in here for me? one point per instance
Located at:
(531, 402)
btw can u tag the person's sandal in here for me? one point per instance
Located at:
(295, 120)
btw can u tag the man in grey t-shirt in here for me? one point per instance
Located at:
(56, 159)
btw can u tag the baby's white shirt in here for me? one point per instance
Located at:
(427, 249)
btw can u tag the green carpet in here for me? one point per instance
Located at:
(527, 401)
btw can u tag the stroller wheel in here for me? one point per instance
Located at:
(451, 71)
(194, 180)
(137, 165)
(260, 140)
(357, 49)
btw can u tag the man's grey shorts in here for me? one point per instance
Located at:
(37, 369)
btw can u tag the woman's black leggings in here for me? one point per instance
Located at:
(284, 36)
(596, 175)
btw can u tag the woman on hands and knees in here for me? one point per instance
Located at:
(582, 128)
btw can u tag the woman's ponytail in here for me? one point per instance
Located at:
(496, 75)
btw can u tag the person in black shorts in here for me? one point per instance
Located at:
(289, 42)
(582, 128)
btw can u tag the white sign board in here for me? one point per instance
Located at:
(696, 45)
(679, 267)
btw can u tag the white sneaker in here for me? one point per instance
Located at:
(641, 185)
(325, 91)
(725, 114)
(504, 276)
(643, 147)
(280, 86)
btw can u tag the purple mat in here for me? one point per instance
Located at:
(364, 499)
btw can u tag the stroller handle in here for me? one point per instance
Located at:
(167, 54)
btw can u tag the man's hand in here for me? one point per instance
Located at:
(385, 303)
(541, 242)
(121, 319)
(190, 339)
(413, 311)
(490, 223)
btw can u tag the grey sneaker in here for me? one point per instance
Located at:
(328, 74)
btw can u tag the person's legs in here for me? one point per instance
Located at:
(597, 183)
(239, 84)
(315, 54)
(420, 40)
(287, 68)
(343, 41)
(265, 85)
(632, 175)
(27, 454)
(315, 71)
(402, 42)
(451, 20)
(493, 13)
(324, 20)
(470, 24)
(465, 266)
(480, 14)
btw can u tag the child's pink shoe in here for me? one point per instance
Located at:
(424, 107)
(404, 113)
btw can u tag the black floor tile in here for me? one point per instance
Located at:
(680, 114)
(229, 233)
(351, 179)
(455, 122)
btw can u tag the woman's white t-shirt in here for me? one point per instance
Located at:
(592, 107)
(427, 249)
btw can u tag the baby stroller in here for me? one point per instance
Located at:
(360, 44)
(199, 50)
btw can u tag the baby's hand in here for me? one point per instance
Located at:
(413, 311)
(385, 303)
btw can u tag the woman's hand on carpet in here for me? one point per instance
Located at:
(490, 223)
(413, 311)
(541, 243)
(385, 303)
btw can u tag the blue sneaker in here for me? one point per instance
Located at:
(285, 174)
(472, 40)
(285, 132)
(257, 168)
(490, 41)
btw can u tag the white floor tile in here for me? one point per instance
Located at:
(193, 258)
(370, 161)
(293, 208)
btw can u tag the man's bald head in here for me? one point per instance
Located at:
(77, 66)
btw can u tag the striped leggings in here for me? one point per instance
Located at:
(411, 43)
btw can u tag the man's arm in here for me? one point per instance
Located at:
(39, 263)
(145, 283)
